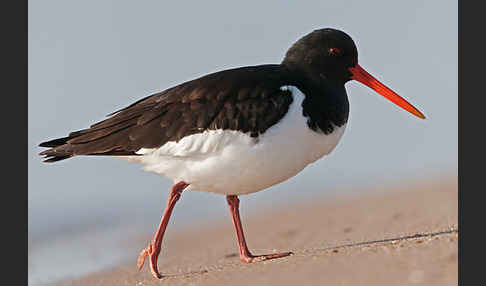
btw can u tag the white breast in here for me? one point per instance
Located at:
(230, 162)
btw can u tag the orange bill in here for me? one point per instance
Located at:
(365, 78)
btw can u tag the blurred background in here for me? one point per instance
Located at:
(90, 58)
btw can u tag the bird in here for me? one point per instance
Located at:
(236, 131)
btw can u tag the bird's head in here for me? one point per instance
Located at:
(331, 55)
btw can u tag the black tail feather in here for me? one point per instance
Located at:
(55, 142)
(56, 158)
(61, 149)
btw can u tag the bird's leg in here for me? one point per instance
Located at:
(153, 248)
(245, 255)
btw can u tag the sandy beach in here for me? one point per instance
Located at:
(385, 236)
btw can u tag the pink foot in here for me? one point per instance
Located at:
(153, 252)
(257, 258)
(153, 249)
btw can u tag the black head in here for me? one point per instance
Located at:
(330, 56)
(327, 53)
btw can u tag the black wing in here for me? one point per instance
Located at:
(248, 99)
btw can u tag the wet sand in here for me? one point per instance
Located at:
(385, 236)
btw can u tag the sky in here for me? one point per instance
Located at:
(90, 58)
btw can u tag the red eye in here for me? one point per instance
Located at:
(334, 51)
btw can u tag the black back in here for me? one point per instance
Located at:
(247, 99)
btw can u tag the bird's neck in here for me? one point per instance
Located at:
(325, 109)
(326, 102)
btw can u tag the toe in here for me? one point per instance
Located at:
(141, 258)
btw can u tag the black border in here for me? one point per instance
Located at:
(14, 140)
(460, 35)
(471, 52)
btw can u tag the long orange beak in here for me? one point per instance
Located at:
(365, 78)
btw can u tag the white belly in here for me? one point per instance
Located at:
(230, 162)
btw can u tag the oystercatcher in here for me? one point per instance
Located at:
(236, 131)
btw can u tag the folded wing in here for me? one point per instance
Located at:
(248, 99)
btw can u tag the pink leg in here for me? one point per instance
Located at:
(153, 248)
(245, 255)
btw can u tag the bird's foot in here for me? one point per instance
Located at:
(153, 252)
(249, 258)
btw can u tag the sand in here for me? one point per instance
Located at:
(386, 236)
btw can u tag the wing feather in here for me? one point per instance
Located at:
(245, 99)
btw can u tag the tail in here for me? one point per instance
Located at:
(112, 136)
(61, 149)
(67, 147)
(57, 152)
